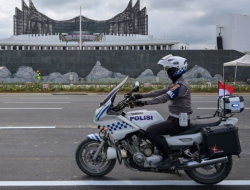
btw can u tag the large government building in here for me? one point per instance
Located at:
(126, 31)
(131, 21)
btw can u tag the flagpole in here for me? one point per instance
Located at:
(224, 99)
(223, 73)
(218, 104)
(80, 28)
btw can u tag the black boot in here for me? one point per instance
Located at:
(163, 146)
(168, 162)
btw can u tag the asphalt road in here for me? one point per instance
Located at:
(36, 157)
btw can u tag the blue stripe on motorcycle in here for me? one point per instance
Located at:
(94, 137)
(97, 137)
(103, 112)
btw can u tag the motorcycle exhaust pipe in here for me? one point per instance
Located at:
(194, 164)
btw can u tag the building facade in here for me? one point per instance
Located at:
(106, 42)
(235, 31)
(131, 21)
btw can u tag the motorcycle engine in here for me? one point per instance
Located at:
(146, 149)
(139, 158)
(139, 149)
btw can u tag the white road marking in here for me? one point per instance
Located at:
(37, 102)
(118, 183)
(207, 108)
(29, 127)
(204, 101)
(30, 108)
(37, 98)
(215, 108)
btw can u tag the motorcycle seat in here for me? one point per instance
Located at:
(197, 124)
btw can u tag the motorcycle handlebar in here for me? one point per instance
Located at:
(124, 103)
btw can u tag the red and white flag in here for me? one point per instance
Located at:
(228, 89)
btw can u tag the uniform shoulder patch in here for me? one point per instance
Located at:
(174, 91)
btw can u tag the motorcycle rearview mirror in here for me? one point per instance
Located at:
(136, 87)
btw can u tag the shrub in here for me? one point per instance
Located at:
(37, 87)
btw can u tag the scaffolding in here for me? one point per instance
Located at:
(30, 21)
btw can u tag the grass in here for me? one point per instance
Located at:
(38, 88)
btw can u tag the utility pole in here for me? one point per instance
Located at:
(80, 28)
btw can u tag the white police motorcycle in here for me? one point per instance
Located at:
(122, 138)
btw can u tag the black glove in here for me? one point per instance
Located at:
(137, 96)
(138, 104)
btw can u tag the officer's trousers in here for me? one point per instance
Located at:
(169, 127)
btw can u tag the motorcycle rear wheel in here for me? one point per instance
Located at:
(84, 154)
(206, 175)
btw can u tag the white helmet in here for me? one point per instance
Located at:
(171, 61)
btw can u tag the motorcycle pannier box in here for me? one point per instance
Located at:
(233, 104)
(221, 141)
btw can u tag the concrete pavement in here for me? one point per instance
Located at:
(47, 154)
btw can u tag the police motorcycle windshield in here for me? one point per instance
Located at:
(114, 91)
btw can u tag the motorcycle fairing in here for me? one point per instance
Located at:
(144, 118)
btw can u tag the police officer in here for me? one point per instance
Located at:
(179, 98)
(39, 76)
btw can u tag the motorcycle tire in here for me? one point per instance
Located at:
(85, 165)
(215, 178)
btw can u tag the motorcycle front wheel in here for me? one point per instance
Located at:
(212, 174)
(95, 168)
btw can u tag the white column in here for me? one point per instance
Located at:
(155, 47)
(28, 47)
(45, 48)
(17, 47)
(11, 47)
(6, 47)
(23, 48)
(72, 48)
(55, 48)
(34, 47)
(161, 47)
(133, 47)
(61, 48)
(83, 48)
(144, 47)
(150, 47)
(138, 47)
(39, 48)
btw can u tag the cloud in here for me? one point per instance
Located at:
(190, 21)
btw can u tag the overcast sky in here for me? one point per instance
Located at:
(190, 21)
